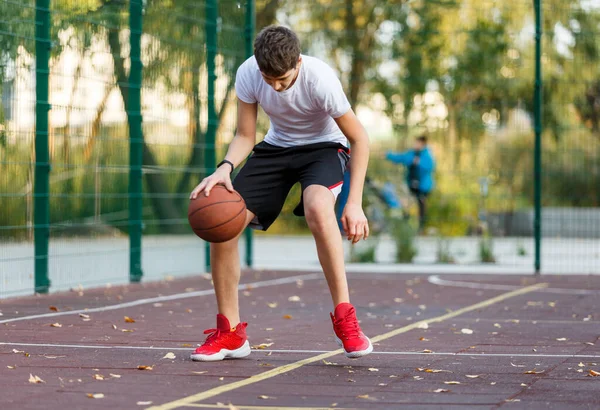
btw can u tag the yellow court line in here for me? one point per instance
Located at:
(186, 401)
(227, 407)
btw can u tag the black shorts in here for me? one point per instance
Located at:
(267, 177)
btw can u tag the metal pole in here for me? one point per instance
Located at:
(213, 120)
(537, 223)
(41, 188)
(249, 34)
(135, 142)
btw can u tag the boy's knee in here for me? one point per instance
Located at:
(318, 209)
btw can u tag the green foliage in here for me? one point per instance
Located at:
(443, 254)
(366, 255)
(486, 249)
(404, 235)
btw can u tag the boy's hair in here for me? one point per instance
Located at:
(422, 138)
(277, 50)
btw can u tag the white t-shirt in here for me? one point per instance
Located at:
(302, 114)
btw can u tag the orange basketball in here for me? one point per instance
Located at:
(219, 217)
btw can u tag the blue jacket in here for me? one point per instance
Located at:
(426, 166)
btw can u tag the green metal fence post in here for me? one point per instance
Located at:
(135, 142)
(213, 120)
(537, 224)
(249, 33)
(42, 158)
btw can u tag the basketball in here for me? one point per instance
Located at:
(218, 217)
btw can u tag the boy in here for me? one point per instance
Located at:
(310, 121)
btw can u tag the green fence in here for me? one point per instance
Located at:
(111, 111)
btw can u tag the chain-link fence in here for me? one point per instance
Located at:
(140, 105)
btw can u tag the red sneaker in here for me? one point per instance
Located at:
(348, 333)
(223, 342)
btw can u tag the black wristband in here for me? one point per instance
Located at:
(227, 162)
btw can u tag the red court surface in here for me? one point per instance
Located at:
(448, 342)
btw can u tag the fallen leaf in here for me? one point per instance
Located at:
(363, 396)
(452, 382)
(422, 307)
(421, 369)
(422, 339)
(55, 325)
(581, 364)
(472, 376)
(264, 397)
(18, 351)
(169, 355)
(533, 372)
(287, 316)
(272, 305)
(441, 391)
(128, 319)
(593, 373)
(512, 400)
(517, 365)
(127, 331)
(498, 325)
(579, 370)
(53, 308)
(398, 300)
(523, 385)
(144, 403)
(466, 331)
(116, 376)
(373, 369)
(199, 372)
(98, 377)
(84, 316)
(262, 346)
(325, 362)
(492, 383)
(157, 304)
(12, 367)
(189, 310)
(562, 339)
(417, 378)
(589, 343)
(53, 357)
(427, 351)
(114, 327)
(294, 298)
(141, 367)
(95, 395)
(382, 384)
(351, 381)
(423, 325)
(221, 378)
(268, 328)
(393, 376)
(35, 379)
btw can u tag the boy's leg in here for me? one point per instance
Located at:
(319, 209)
(226, 271)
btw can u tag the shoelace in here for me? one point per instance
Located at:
(348, 325)
(213, 334)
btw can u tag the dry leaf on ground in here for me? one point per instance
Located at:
(472, 376)
(423, 325)
(84, 316)
(533, 372)
(294, 298)
(264, 397)
(452, 382)
(363, 396)
(517, 365)
(287, 316)
(53, 308)
(466, 331)
(116, 376)
(55, 325)
(562, 339)
(272, 305)
(98, 377)
(169, 355)
(593, 373)
(325, 362)
(35, 379)
(95, 395)
(373, 369)
(128, 319)
(421, 369)
(141, 367)
(427, 351)
(262, 346)
(441, 391)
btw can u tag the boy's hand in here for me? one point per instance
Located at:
(221, 176)
(355, 223)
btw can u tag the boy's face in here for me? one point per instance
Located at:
(284, 81)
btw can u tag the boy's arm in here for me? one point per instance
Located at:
(240, 147)
(353, 218)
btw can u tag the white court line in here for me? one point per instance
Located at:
(177, 296)
(436, 280)
(575, 356)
